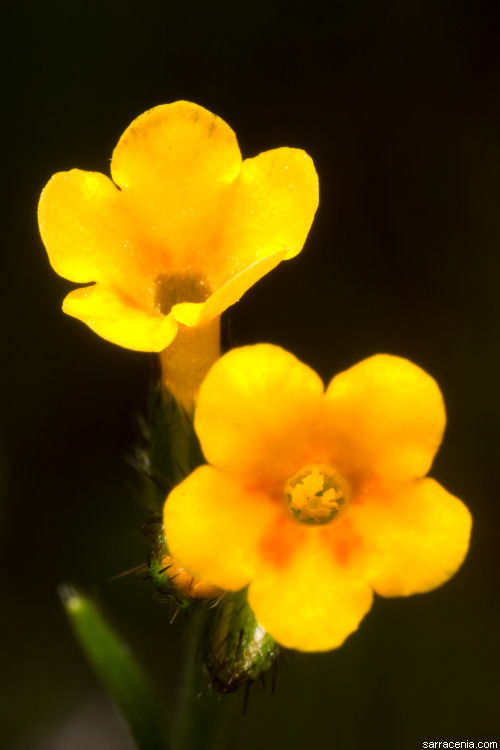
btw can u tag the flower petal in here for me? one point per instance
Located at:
(175, 163)
(119, 321)
(213, 527)
(387, 418)
(312, 603)
(259, 415)
(418, 534)
(83, 226)
(270, 208)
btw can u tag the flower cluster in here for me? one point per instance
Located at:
(312, 498)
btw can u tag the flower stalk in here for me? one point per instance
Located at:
(202, 720)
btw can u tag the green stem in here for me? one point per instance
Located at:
(202, 720)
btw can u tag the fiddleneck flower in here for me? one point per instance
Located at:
(316, 498)
(182, 230)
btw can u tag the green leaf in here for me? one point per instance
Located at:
(117, 669)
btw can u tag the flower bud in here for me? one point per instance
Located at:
(236, 649)
(172, 580)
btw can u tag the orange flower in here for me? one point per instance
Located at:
(182, 232)
(316, 498)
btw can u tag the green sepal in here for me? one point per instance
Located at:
(114, 665)
(158, 568)
(235, 648)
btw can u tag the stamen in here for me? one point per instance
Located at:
(316, 494)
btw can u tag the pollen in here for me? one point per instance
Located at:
(316, 494)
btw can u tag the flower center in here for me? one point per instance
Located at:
(172, 288)
(316, 494)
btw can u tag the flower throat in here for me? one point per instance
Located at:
(316, 494)
(172, 288)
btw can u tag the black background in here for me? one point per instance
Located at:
(397, 102)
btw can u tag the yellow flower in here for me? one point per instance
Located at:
(182, 231)
(316, 498)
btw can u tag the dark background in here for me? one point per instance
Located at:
(397, 102)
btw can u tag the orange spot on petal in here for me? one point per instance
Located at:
(344, 543)
(280, 542)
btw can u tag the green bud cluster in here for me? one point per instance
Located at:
(235, 650)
